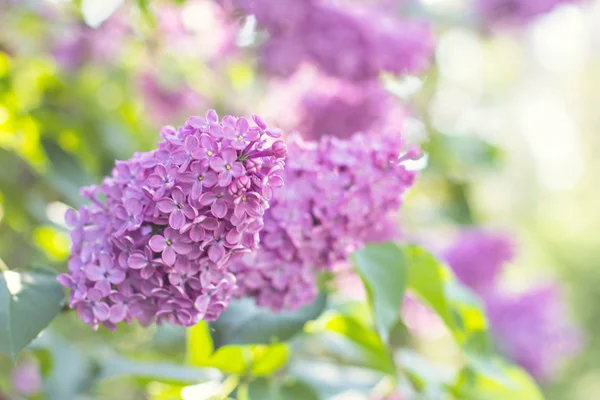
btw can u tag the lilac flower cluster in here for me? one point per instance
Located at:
(316, 105)
(313, 31)
(338, 192)
(531, 328)
(478, 257)
(165, 101)
(173, 218)
(515, 12)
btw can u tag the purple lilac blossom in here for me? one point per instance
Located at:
(312, 31)
(338, 191)
(515, 12)
(164, 101)
(158, 247)
(316, 105)
(74, 44)
(26, 377)
(477, 257)
(531, 328)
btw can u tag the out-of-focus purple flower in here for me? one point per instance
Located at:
(515, 12)
(26, 377)
(332, 203)
(154, 246)
(166, 101)
(313, 31)
(478, 256)
(316, 105)
(76, 43)
(533, 329)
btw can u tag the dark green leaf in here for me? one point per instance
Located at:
(245, 323)
(383, 271)
(28, 303)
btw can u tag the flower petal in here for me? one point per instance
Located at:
(157, 243)
(169, 256)
(176, 220)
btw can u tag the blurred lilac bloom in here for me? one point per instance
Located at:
(478, 256)
(497, 13)
(533, 329)
(333, 203)
(26, 377)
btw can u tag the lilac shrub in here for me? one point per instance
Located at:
(155, 241)
(339, 194)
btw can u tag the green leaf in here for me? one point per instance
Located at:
(502, 382)
(231, 359)
(459, 308)
(383, 270)
(261, 360)
(28, 303)
(268, 359)
(374, 350)
(199, 344)
(72, 372)
(290, 389)
(245, 323)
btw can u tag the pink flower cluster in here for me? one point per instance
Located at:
(477, 257)
(345, 42)
(158, 246)
(338, 194)
(316, 105)
(532, 327)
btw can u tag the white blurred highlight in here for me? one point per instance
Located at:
(55, 212)
(561, 40)
(552, 136)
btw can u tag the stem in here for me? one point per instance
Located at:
(243, 392)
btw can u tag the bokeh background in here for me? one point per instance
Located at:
(508, 117)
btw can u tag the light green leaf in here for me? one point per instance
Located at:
(459, 308)
(268, 359)
(383, 270)
(199, 344)
(245, 323)
(374, 351)
(483, 383)
(261, 360)
(28, 303)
